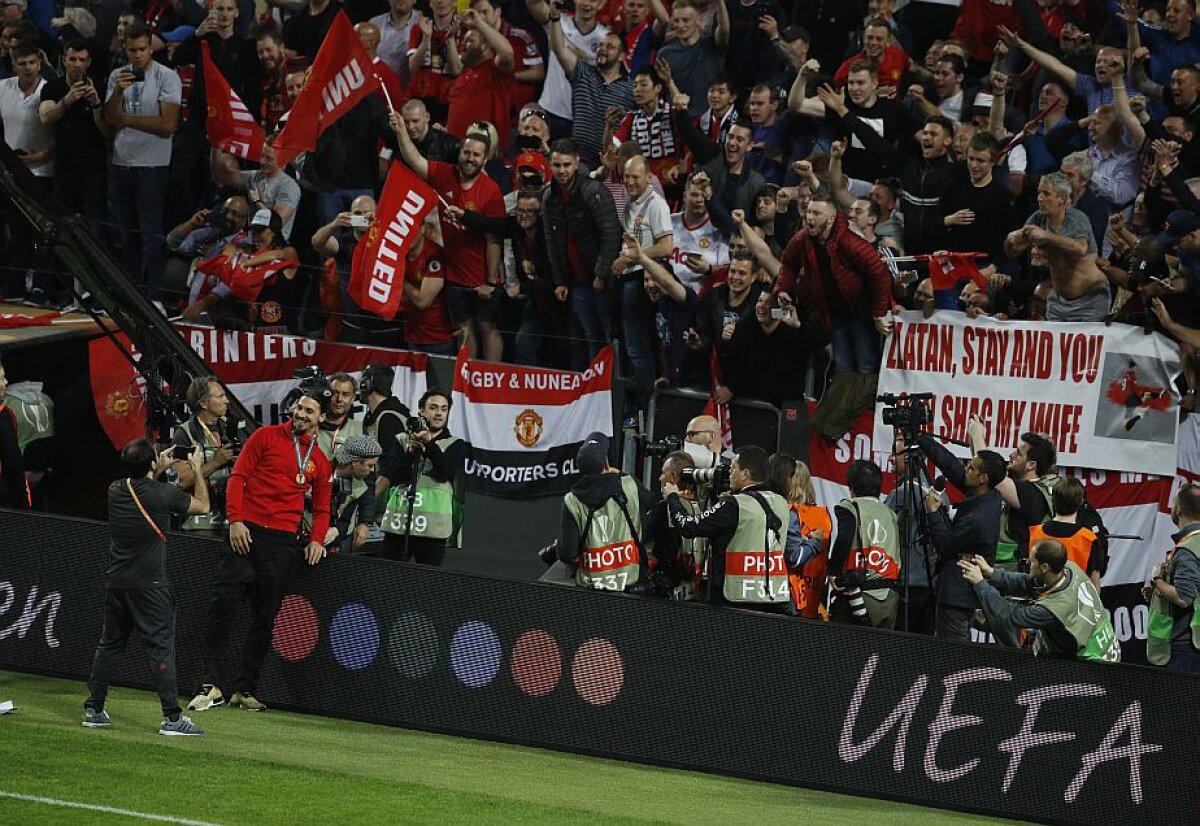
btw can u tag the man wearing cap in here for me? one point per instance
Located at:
(352, 503)
(600, 535)
(278, 467)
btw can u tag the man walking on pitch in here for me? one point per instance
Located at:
(137, 595)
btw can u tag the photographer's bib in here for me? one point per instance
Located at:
(755, 570)
(1078, 607)
(1006, 548)
(876, 550)
(217, 480)
(436, 508)
(1162, 611)
(608, 558)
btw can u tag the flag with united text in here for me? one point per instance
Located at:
(231, 127)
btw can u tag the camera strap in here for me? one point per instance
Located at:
(772, 527)
(622, 503)
(153, 525)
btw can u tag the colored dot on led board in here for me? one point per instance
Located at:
(296, 629)
(598, 672)
(413, 645)
(536, 662)
(475, 654)
(354, 636)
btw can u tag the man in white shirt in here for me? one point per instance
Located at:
(395, 30)
(648, 222)
(142, 112)
(699, 247)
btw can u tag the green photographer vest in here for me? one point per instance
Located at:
(372, 429)
(876, 542)
(215, 518)
(328, 440)
(437, 506)
(755, 570)
(1006, 548)
(1078, 607)
(608, 558)
(35, 419)
(1162, 620)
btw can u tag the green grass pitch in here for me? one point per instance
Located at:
(280, 768)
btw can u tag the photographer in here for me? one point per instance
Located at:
(684, 560)
(425, 477)
(864, 562)
(206, 429)
(352, 502)
(1067, 613)
(746, 531)
(809, 535)
(277, 469)
(918, 603)
(386, 414)
(974, 530)
(600, 537)
(338, 426)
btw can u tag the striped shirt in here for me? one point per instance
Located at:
(590, 99)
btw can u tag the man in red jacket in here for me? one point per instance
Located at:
(840, 276)
(264, 500)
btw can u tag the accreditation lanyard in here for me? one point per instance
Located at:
(157, 530)
(208, 433)
(301, 464)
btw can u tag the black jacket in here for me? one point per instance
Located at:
(975, 529)
(590, 217)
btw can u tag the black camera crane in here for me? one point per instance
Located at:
(157, 352)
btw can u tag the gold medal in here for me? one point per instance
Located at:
(300, 480)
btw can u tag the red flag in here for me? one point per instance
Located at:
(341, 76)
(117, 390)
(245, 283)
(377, 271)
(716, 409)
(949, 270)
(18, 320)
(231, 127)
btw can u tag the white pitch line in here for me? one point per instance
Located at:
(91, 807)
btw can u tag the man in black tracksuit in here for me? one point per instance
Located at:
(974, 530)
(925, 176)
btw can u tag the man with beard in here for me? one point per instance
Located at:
(481, 90)
(1061, 604)
(435, 458)
(595, 89)
(268, 187)
(1060, 238)
(836, 273)
(889, 62)
(273, 64)
(472, 258)
(277, 468)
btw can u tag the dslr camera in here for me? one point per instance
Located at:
(907, 413)
(660, 448)
(415, 424)
(717, 478)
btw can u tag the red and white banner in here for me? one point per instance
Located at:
(377, 270)
(1103, 394)
(231, 127)
(257, 368)
(341, 76)
(525, 424)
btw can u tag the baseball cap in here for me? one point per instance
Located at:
(593, 453)
(357, 447)
(982, 101)
(266, 218)
(1181, 222)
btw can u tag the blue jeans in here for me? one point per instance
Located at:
(139, 196)
(637, 321)
(330, 203)
(1184, 660)
(856, 346)
(590, 312)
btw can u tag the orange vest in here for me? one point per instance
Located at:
(1078, 544)
(808, 582)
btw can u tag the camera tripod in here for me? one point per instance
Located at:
(912, 484)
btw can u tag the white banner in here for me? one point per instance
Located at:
(1102, 393)
(258, 368)
(525, 424)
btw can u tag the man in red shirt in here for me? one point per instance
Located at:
(426, 324)
(481, 91)
(472, 258)
(433, 57)
(264, 501)
(890, 62)
(529, 67)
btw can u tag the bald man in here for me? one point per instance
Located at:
(705, 432)
(433, 143)
(368, 34)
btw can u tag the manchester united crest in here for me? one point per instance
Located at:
(703, 242)
(528, 428)
(117, 405)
